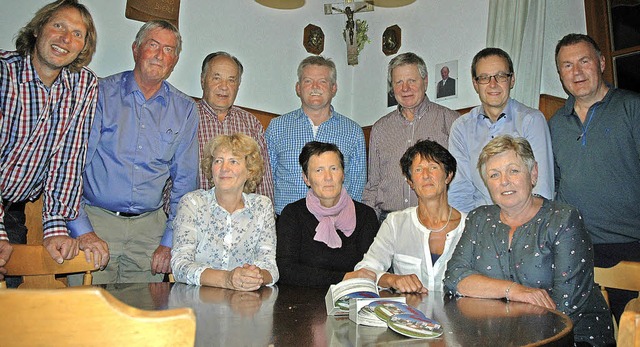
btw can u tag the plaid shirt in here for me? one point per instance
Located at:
(387, 189)
(237, 120)
(287, 134)
(43, 138)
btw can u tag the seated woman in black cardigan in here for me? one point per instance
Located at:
(323, 236)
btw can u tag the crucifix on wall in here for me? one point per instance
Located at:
(349, 9)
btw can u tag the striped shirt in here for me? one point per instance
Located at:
(287, 134)
(237, 120)
(43, 138)
(387, 189)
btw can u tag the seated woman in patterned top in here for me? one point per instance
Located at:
(324, 235)
(225, 237)
(527, 248)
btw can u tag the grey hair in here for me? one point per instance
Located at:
(406, 59)
(155, 24)
(501, 144)
(212, 56)
(321, 61)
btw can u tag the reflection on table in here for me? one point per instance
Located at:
(296, 316)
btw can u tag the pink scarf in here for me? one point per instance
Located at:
(342, 216)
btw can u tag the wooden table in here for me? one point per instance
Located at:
(296, 316)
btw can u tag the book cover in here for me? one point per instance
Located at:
(415, 326)
(338, 295)
(385, 309)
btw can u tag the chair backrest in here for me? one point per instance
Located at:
(629, 328)
(89, 316)
(625, 275)
(38, 269)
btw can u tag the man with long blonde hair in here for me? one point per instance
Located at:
(47, 102)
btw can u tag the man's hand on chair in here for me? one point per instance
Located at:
(90, 243)
(5, 254)
(61, 247)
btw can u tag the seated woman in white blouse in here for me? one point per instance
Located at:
(226, 236)
(417, 242)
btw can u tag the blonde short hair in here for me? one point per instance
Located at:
(240, 145)
(501, 144)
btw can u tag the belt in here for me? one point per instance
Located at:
(125, 214)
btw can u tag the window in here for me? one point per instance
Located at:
(615, 26)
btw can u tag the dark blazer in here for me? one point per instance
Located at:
(448, 89)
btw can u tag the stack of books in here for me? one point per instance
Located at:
(359, 298)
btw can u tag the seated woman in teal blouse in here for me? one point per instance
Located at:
(527, 248)
(226, 236)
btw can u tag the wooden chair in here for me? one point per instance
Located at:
(625, 275)
(89, 316)
(38, 269)
(629, 328)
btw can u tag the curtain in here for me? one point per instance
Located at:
(518, 28)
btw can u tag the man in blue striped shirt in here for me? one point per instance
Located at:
(316, 120)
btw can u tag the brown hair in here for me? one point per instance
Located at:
(27, 36)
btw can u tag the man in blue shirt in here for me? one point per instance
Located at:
(144, 134)
(493, 77)
(316, 120)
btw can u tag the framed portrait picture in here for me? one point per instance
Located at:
(446, 86)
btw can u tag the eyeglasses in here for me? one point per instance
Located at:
(500, 78)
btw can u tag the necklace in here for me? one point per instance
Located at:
(448, 220)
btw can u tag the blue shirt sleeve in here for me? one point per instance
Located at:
(183, 169)
(461, 189)
(356, 170)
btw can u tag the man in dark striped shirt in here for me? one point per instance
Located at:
(47, 101)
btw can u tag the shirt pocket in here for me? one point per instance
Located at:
(164, 145)
(406, 265)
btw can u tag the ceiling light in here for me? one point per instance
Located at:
(282, 4)
(391, 3)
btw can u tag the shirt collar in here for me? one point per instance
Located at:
(211, 113)
(300, 113)
(208, 110)
(420, 110)
(507, 112)
(29, 74)
(131, 86)
(248, 203)
(569, 109)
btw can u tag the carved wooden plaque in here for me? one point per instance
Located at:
(146, 10)
(313, 39)
(391, 40)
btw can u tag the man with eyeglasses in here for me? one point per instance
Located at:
(493, 77)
